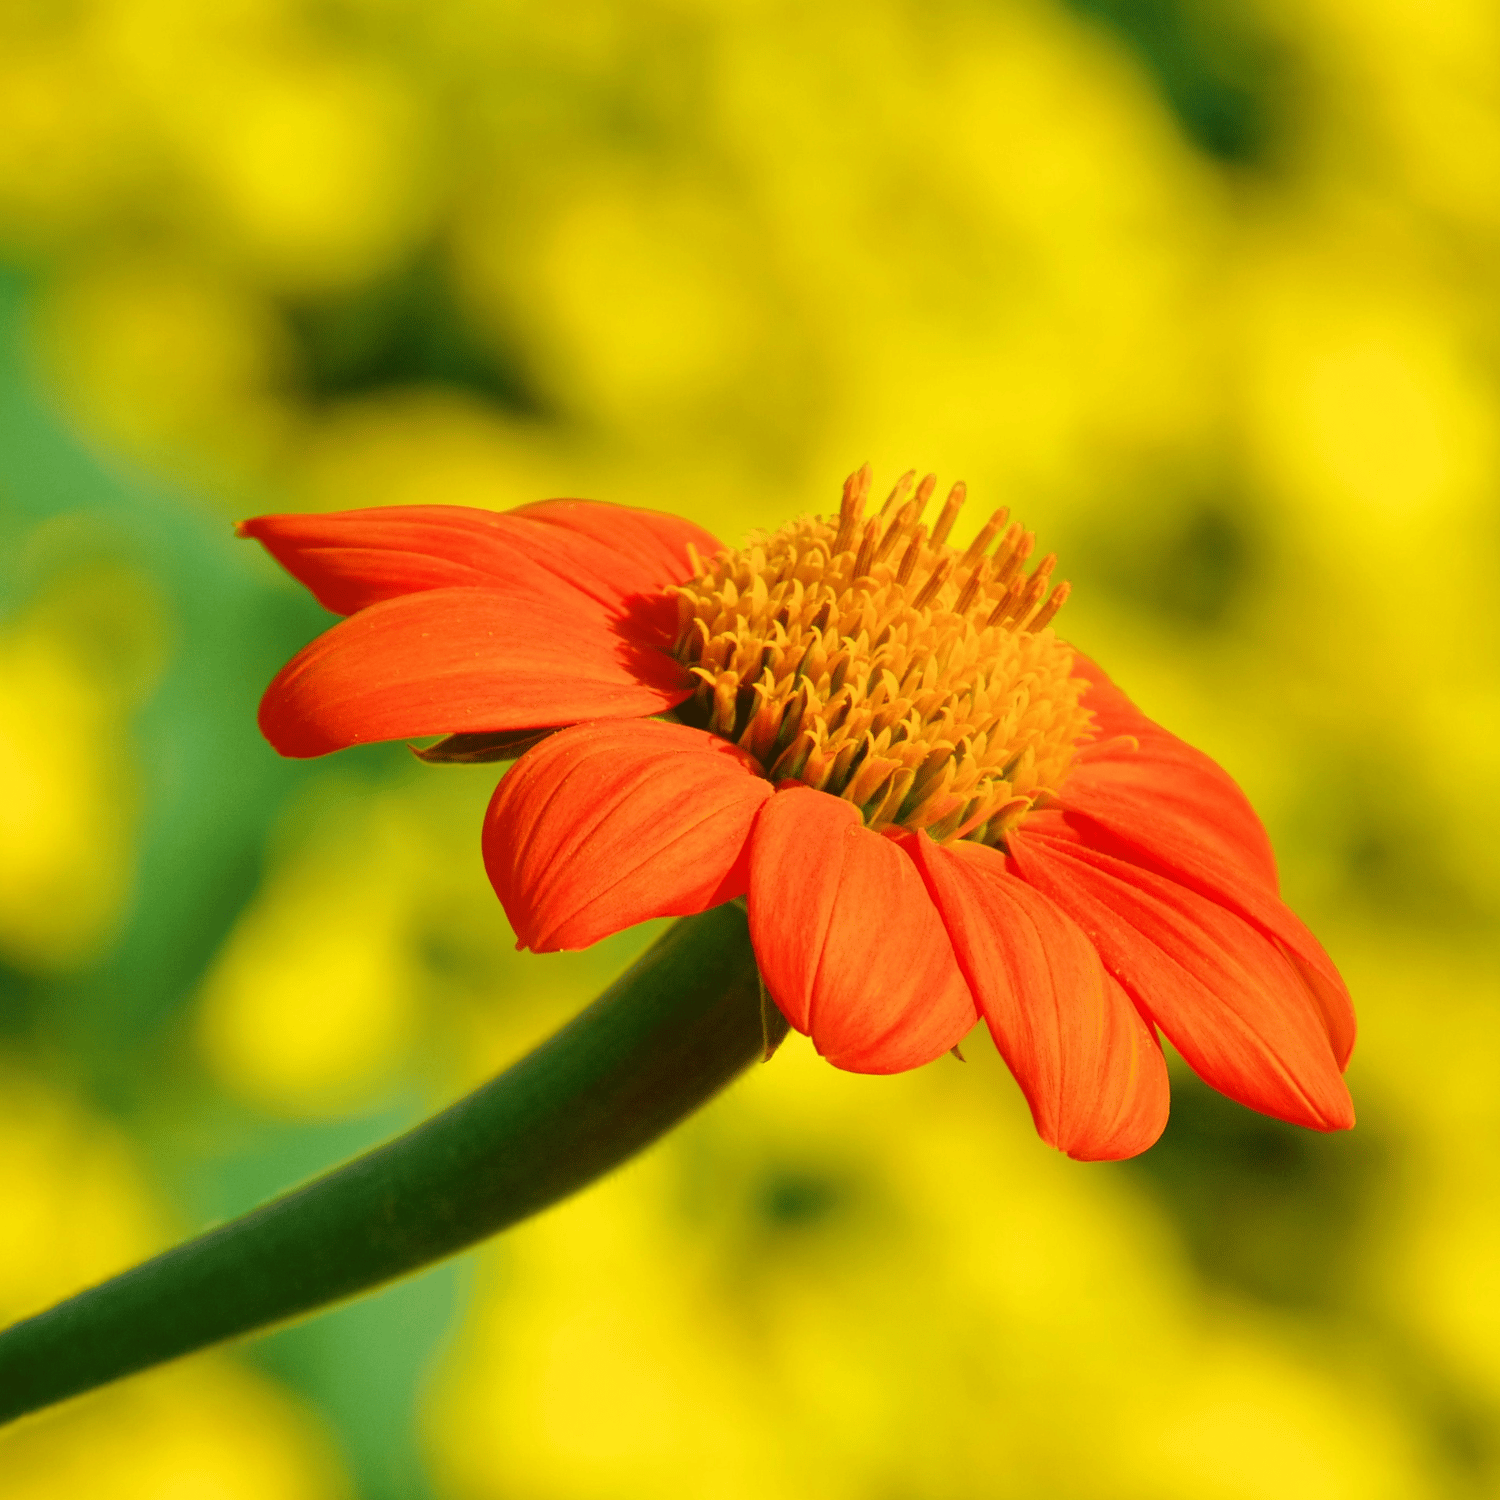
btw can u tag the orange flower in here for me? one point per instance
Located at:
(935, 808)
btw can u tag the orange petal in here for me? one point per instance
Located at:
(653, 542)
(352, 559)
(579, 551)
(1224, 994)
(1090, 1067)
(1169, 807)
(1163, 788)
(461, 661)
(605, 825)
(849, 943)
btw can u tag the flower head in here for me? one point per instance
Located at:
(935, 808)
(866, 658)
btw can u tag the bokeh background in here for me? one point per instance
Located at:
(1206, 290)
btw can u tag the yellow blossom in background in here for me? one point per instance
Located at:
(78, 1209)
(821, 1289)
(311, 1003)
(70, 674)
(62, 860)
(217, 1431)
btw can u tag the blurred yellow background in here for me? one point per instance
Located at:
(1206, 290)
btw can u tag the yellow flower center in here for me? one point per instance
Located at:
(867, 658)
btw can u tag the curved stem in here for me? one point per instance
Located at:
(662, 1040)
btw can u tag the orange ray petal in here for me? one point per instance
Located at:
(464, 660)
(352, 559)
(1089, 1065)
(1225, 995)
(1172, 809)
(652, 542)
(1140, 837)
(595, 556)
(605, 825)
(849, 943)
(1165, 783)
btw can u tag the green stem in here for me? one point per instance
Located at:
(661, 1041)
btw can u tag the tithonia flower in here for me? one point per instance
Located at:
(935, 808)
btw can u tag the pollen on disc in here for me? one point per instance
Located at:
(862, 655)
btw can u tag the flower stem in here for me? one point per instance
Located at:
(661, 1041)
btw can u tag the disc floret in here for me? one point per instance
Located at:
(865, 657)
